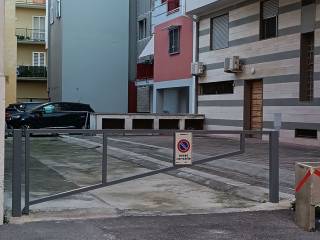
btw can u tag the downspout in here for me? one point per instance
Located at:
(195, 59)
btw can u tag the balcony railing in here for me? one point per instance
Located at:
(30, 35)
(35, 3)
(164, 11)
(32, 72)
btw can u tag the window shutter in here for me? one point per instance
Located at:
(220, 34)
(270, 8)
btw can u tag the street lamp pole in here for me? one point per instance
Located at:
(2, 111)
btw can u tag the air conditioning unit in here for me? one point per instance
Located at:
(198, 68)
(232, 65)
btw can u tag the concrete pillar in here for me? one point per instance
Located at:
(2, 106)
(156, 124)
(154, 100)
(128, 124)
(182, 124)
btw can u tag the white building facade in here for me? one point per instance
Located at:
(278, 45)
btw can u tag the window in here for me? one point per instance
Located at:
(38, 28)
(307, 67)
(307, 2)
(173, 5)
(58, 13)
(51, 17)
(306, 133)
(51, 108)
(174, 40)
(142, 29)
(269, 19)
(216, 88)
(220, 32)
(39, 59)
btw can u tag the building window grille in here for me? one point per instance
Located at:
(269, 19)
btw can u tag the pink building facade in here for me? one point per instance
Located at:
(173, 86)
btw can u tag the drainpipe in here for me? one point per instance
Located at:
(2, 106)
(195, 59)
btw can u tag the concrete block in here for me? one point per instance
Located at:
(307, 194)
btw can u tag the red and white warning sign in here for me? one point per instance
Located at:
(183, 149)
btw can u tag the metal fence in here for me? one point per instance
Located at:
(31, 2)
(32, 72)
(34, 35)
(21, 137)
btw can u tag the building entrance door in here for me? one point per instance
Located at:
(253, 109)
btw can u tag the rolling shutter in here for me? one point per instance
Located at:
(270, 8)
(220, 32)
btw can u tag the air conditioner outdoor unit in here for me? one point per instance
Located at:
(232, 65)
(198, 68)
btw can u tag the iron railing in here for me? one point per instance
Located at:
(30, 35)
(41, 3)
(19, 158)
(32, 72)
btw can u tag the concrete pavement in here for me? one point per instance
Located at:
(261, 225)
(234, 184)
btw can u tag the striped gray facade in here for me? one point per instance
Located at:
(276, 61)
(144, 11)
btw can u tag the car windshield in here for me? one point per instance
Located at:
(30, 106)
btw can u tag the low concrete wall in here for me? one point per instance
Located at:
(184, 121)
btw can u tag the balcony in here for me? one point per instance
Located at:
(30, 36)
(32, 73)
(167, 10)
(31, 3)
(203, 7)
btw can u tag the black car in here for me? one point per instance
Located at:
(53, 115)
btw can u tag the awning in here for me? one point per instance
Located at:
(149, 49)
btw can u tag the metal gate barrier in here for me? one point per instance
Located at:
(20, 135)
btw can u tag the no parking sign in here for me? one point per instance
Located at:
(183, 149)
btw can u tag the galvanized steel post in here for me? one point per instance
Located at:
(274, 181)
(104, 158)
(16, 173)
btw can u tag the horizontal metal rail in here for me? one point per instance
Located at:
(138, 131)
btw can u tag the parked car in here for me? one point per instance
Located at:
(20, 107)
(53, 115)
